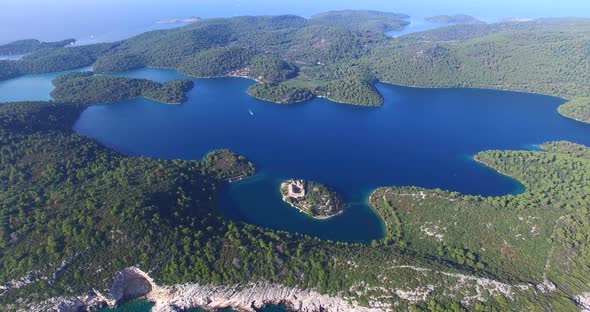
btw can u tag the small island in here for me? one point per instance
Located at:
(312, 198)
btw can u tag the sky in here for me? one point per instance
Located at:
(81, 19)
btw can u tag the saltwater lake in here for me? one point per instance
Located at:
(422, 137)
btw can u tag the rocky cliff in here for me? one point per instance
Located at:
(133, 283)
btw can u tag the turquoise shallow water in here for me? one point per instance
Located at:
(30, 87)
(145, 306)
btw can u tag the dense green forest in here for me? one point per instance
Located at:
(333, 55)
(280, 93)
(578, 109)
(70, 206)
(87, 88)
(30, 45)
(73, 212)
(363, 21)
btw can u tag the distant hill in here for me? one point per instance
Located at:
(373, 21)
(454, 19)
(30, 45)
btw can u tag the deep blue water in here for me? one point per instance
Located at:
(423, 137)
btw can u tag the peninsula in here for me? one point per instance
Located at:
(88, 88)
(312, 198)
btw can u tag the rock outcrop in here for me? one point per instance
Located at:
(247, 298)
(133, 283)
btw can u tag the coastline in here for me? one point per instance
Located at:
(131, 283)
(558, 109)
(302, 210)
(314, 217)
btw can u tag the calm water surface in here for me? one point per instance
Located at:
(423, 137)
(30, 87)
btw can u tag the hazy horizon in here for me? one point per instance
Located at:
(112, 20)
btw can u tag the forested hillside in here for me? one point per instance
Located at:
(87, 88)
(73, 212)
(30, 45)
(363, 21)
(71, 206)
(347, 50)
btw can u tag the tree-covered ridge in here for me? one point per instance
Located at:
(373, 21)
(578, 109)
(88, 88)
(534, 236)
(547, 56)
(30, 45)
(238, 61)
(54, 60)
(568, 148)
(280, 93)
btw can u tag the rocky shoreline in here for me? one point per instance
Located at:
(133, 283)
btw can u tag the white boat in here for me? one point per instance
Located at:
(251, 112)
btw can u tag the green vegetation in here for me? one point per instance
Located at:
(217, 62)
(364, 21)
(313, 198)
(280, 93)
(568, 148)
(87, 88)
(538, 238)
(271, 69)
(30, 45)
(54, 60)
(578, 109)
(454, 19)
(330, 55)
(352, 90)
(73, 212)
